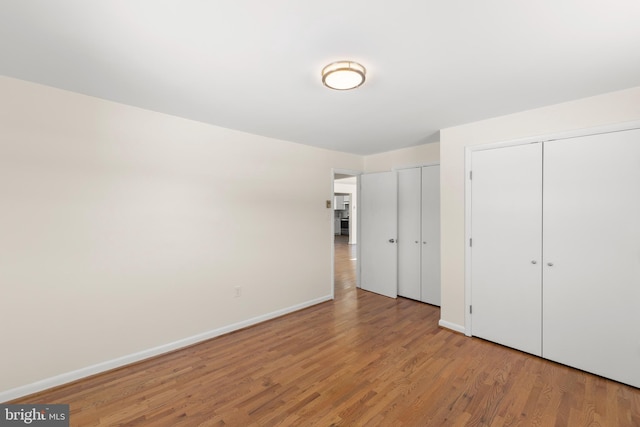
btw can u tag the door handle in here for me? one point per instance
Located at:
(392, 240)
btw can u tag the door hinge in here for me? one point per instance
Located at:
(470, 243)
(470, 174)
(470, 309)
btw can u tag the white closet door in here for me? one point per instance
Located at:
(409, 233)
(506, 253)
(430, 270)
(592, 254)
(379, 228)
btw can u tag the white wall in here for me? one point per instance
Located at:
(403, 158)
(616, 107)
(124, 230)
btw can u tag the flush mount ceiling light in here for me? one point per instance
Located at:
(343, 75)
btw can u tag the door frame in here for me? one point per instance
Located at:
(468, 153)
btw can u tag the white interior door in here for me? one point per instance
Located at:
(506, 228)
(409, 253)
(430, 268)
(592, 254)
(378, 227)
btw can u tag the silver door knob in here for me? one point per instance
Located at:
(550, 264)
(392, 240)
(534, 262)
(424, 243)
(417, 241)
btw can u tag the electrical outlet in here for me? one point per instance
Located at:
(238, 291)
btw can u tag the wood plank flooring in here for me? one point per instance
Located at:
(360, 360)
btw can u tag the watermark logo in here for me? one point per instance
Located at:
(34, 415)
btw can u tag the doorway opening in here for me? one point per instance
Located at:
(345, 233)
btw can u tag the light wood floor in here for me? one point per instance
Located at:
(361, 360)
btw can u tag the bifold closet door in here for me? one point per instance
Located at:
(419, 234)
(592, 254)
(506, 228)
(430, 268)
(409, 251)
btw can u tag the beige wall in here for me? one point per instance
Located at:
(124, 230)
(405, 157)
(617, 107)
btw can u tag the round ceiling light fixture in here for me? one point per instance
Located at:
(343, 75)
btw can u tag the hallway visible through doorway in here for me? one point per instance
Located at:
(344, 266)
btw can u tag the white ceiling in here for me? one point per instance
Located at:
(254, 65)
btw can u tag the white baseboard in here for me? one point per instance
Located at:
(68, 377)
(452, 326)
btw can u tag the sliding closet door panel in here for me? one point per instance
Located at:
(592, 254)
(409, 233)
(431, 234)
(506, 227)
